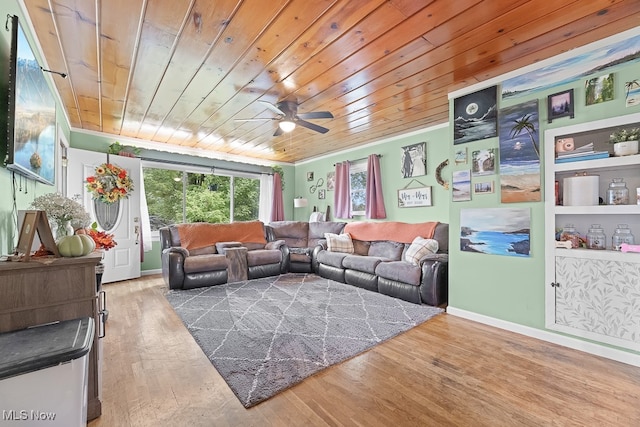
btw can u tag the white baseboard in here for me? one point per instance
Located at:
(544, 335)
(150, 272)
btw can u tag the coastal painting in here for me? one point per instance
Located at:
(564, 72)
(475, 116)
(632, 90)
(461, 185)
(496, 231)
(520, 153)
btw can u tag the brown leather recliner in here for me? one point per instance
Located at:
(185, 268)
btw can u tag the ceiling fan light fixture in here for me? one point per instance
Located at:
(287, 125)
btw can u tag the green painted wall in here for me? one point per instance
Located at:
(506, 288)
(18, 196)
(392, 179)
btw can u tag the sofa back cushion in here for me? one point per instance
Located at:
(317, 230)
(386, 249)
(441, 234)
(294, 233)
(361, 247)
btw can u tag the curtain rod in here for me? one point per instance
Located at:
(357, 160)
(213, 168)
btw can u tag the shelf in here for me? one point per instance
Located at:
(597, 210)
(596, 164)
(607, 255)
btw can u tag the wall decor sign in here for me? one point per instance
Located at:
(599, 89)
(520, 153)
(475, 116)
(414, 160)
(496, 231)
(321, 194)
(560, 105)
(309, 176)
(414, 197)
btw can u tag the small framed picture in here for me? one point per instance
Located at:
(461, 156)
(599, 89)
(483, 187)
(321, 194)
(560, 105)
(309, 176)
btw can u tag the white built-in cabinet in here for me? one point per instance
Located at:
(589, 293)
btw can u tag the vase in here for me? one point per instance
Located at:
(63, 229)
(625, 148)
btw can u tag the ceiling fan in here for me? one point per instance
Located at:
(288, 117)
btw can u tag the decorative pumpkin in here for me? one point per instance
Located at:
(76, 245)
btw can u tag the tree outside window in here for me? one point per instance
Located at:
(358, 181)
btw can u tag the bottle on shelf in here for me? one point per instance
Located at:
(618, 193)
(570, 234)
(596, 238)
(621, 235)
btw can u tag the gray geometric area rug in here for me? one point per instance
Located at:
(265, 335)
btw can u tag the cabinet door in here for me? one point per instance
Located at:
(599, 299)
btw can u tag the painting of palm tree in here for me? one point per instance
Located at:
(519, 153)
(633, 93)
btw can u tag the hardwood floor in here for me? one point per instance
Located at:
(446, 372)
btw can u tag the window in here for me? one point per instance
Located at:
(358, 182)
(175, 196)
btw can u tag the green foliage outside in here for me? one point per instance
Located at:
(208, 198)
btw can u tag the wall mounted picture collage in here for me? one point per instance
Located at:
(516, 162)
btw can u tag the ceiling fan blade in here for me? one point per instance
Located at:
(272, 107)
(316, 115)
(312, 126)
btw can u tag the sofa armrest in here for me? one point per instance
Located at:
(222, 246)
(275, 244)
(321, 246)
(173, 266)
(434, 287)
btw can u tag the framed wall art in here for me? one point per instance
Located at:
(414, 160)
(560, 105)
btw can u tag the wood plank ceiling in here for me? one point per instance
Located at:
(181, 71)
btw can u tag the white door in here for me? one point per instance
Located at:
(123, 261)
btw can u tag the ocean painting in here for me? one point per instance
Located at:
(461, 185)
(496, 231)
(633, 93)
(569, 70)
(475, 116)
(520, 153)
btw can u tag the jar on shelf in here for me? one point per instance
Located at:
(570, 234)
(621, 235)
(618, 193)
(596, 238)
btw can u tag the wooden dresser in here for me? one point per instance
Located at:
(43, 291)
